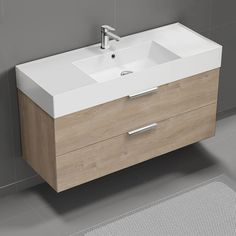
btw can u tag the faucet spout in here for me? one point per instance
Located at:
(113, 36)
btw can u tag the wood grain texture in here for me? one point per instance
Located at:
(117, 153)
(37, 138)
(108, 120)
(86, 145)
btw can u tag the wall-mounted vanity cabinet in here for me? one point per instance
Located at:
(82, 118)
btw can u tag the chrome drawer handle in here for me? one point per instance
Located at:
(145, 92)
(143, 129)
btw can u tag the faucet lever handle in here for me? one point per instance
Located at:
(107, 27)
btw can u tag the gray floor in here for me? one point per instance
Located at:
(40, 211)
(207, 210)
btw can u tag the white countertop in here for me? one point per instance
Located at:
(60, 88)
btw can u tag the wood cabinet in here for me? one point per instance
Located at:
(77, 148)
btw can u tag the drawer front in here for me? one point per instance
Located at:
(114, 118)
(128, 149)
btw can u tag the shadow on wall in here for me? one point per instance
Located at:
(174, 165)
(12, 166)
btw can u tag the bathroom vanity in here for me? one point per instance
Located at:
(91, 112)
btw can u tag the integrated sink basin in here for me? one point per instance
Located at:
(118, 63)
(89, 76)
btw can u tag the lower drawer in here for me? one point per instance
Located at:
(125, 150)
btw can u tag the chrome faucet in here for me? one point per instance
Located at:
(106, 35)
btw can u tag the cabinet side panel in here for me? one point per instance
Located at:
(37, 138)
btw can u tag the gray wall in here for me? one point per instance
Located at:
(31, 29)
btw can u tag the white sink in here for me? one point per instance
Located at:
(132, 59)
(89, 76)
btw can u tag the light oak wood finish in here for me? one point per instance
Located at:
(117, 117)
(37, 139)
(117, 153)
(86, 145)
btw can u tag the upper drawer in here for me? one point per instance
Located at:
(104, 121)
